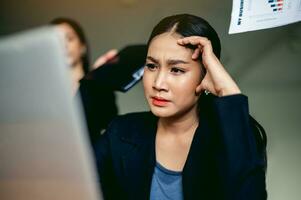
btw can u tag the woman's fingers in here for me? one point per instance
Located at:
(202, 42)
(105, 58)
(217, 80)
(194, 40)
(196, 53)
(204, 49)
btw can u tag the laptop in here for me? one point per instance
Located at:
(44, 146)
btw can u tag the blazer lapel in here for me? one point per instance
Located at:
(199, 174)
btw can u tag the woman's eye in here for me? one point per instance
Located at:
(151, 66)
(176, 70)
(70, 38)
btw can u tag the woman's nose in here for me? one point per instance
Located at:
(160, 82)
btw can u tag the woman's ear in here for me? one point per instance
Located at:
(198, 89)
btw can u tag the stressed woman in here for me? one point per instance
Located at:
(198, 141)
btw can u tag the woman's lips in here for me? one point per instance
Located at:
(158, 101)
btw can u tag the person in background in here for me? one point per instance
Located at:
(99, 111)
(78, 52)
(198, 141)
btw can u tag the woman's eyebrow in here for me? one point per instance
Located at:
(169, 61)
(152, 59)
(176, 61)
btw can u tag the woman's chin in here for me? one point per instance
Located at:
(161, 112)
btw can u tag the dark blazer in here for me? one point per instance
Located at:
(226, 158)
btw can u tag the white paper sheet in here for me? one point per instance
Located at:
(250, 15)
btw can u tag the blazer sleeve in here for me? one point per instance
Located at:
(241, 163)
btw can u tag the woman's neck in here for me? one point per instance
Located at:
(77, 73)
(178, 125)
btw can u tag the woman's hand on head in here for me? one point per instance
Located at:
(217, 80)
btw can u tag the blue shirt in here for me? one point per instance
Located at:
(166, 184)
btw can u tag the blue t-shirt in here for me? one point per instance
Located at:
(166, 184)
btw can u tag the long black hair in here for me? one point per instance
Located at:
(81, 35)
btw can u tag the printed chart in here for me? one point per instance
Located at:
(250, 15)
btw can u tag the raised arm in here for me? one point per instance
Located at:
(239, 158)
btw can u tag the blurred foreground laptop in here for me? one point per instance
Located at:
(44, 149)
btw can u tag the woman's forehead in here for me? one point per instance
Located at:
(66, 28)
(165, 45)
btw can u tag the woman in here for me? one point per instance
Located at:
(193, 145)
(92, 93)
(78, 50)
